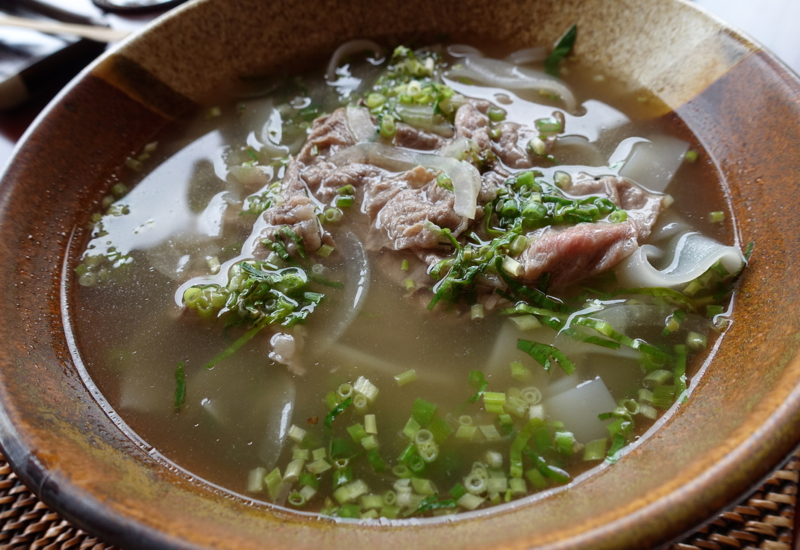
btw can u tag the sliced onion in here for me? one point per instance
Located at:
(693, 256)
(424, 117)
(653, 165)
(528, 55)
(502, 74)
(347, 49)
(463, 50)
(360, 124)
(465, 177)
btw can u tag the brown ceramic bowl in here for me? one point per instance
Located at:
(743, 415)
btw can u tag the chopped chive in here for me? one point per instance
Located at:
(324, 251)
(466, 432)
(440, 429)
(376, 461)
(526, 322)
(519, 372)
(423, 412)
(357, 432)
(406, 377)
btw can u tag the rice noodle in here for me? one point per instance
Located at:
(528, 55)
(350, 48)
(694, 255)
(502, 74)
(465, 177)
(360, 124)
(653, 164)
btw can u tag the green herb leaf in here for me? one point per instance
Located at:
(180, 387)
(562, 50)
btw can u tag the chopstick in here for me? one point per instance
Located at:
(99, 34)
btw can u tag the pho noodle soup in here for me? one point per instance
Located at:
(413, 283)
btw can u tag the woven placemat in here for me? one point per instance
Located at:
(763, 521)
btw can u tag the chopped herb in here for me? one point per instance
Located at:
(180, 387)
(562, 49)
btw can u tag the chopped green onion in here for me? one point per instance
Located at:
(466, 432)
(663, 396)
(350, 492)
(440, 429)
(565, 443)
(691, 155)
(357, 432)
(519, 372)
(324, 251)
(618, 216)
(318, 466)
(409, 284)
(716, 216)
(366, 388)
(411, 428)
(470, 501)
(526, 322)
(332, 215)
(337, 410)
(376, 461)
(595, 450)
(360, 403)
(369, 442)
(477, 312)
(255, 480)
(296, 434)
(657, 377)
(423, 411)
(406, 377)
(696, 342)
(489, 432)
(537, 479)
(515, 456)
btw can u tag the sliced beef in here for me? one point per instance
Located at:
(581, 251)
(325, 179)
(412, 218)
(474, 125)
(329, 134)
(300, 214)
(510, 146)
(412, 138)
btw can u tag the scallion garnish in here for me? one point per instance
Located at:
(180, 387)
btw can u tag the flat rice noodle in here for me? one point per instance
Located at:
(694, 254)
(653, 164)
(578, 408)
(668, 226)
(357, 363)
(505, 352)
(502, 74)
(465, 177)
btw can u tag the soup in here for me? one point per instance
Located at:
(423, 283)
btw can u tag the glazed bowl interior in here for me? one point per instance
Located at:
(743, 412)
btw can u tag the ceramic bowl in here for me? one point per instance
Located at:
(741, 419)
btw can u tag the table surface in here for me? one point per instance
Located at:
(772, 23)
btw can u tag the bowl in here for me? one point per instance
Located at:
(742, 416)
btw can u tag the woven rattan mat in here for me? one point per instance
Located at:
(764, 520)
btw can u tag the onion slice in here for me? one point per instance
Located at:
(694, 255)
(350, 48)
(465, 177)
(653, 164)
(528, 55)
(360, 124)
